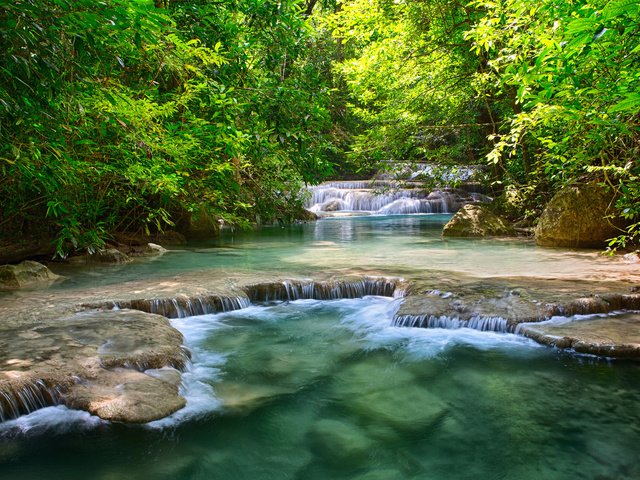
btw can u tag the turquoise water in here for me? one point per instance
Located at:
(330, 390)
(396, 245)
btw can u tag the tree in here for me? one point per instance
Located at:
(574, 69)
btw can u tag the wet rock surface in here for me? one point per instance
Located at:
(93, 361)
(519, 305)
(125, 395)
(612, 336)
(109, 255)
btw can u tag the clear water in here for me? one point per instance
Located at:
(407, 245)
(330, 390)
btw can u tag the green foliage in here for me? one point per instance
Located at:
(409, 75)
(118, 116)
(574, 68)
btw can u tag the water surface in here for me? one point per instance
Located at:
(410, 245)
(330, 390)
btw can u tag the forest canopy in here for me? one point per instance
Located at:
(139, 115)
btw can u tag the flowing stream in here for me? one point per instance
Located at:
(312, 389)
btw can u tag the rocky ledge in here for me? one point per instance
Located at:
(104, 362)
(119, 357)
(551, 313)
(615, 336)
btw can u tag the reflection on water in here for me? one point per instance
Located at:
(330, 390)
(402, 244)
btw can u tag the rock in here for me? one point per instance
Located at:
(384, 395)
(303, 215)
(156, 249)
(406, 409)
(25, 274)
(576, 217)
(340, 443)
(166, 374)
(332, 206)
(616, 336)
(109, 255)
(125, 395)
(477, 221)
(242, 397)
(93, 361)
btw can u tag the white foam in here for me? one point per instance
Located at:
(50, 421)
(373, 324)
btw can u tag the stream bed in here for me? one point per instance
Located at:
(312, 389)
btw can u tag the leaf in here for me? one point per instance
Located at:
(630, 103)
(621, 7)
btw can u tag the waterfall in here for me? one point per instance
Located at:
(385, 198)
(290, 290)
(26, 398)
(479, 322)
(184, 306)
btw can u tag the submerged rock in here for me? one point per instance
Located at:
(578, 217)
(474, 220)
(340, 443)
(25, 274)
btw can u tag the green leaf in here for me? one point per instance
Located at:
(630, 103)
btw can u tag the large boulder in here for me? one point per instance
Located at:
(121, 365)
(475, 220)
(578, 217)
(25, 274)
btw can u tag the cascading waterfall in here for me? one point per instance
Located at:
(291, 290)
(386, 198)
(181, 307)
(26, 398)
(480, 322)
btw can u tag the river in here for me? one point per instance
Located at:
(311, 389)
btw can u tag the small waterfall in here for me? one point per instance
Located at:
(290, 290)
(184, 306)
(26, 398)
(385, 198)
(480, 322)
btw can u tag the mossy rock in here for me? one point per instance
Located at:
(578, 217)
(474, 220)
(25, 274)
